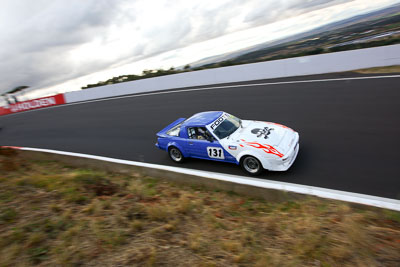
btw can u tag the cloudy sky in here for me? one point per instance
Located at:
(61, 45)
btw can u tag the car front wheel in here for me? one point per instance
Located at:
(251, 165)
(175, 154)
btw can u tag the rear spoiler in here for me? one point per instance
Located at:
(164, 131)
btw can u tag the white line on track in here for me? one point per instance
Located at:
(211, 88)
(380, 202)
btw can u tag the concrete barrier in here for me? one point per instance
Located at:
(317, 64)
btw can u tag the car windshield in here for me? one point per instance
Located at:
(227, 127)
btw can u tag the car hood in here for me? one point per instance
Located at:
(273, 134)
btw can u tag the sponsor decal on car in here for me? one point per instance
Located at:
(262, 132)
(218, 121)
(266, 148)
(232, 147)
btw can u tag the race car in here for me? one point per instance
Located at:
(217, 135)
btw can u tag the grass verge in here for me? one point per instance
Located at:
(388, 69)
(57, 215)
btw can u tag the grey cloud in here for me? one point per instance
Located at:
(37, 36)
(164, 37)
(317, 4)
(269, 11)
(34, 53)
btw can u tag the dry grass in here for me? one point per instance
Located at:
(388, 69)
(56, 215)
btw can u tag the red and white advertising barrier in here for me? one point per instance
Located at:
(4, 111)
(33, 104)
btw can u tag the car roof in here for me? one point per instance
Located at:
(203, 118)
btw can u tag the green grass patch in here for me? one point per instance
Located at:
(393, 215)
(8, 215)
(387, 69)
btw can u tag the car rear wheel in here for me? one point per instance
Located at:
(251, 165)
(175, 154)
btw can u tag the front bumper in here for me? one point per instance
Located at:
(285, 164)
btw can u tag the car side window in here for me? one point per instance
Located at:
(192, 133)
(199, 133)
(175, 130)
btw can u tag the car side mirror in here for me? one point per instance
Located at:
(210, 139)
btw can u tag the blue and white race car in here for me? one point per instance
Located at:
(217, 135)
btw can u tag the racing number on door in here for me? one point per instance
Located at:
(215, 152)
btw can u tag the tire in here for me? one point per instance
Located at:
(251, 165)
(175, 154)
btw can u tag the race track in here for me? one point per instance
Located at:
(349, 129)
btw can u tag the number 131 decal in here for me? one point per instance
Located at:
(215, 152)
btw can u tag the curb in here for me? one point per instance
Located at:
(266, 189)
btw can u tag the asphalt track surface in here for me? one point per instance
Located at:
(349, 129)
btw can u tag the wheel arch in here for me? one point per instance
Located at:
(175, 144)
(264, 162)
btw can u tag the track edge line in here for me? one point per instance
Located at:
(369, 200)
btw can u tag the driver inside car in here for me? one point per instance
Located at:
(201, 134)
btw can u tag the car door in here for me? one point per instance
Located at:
(200, 147)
